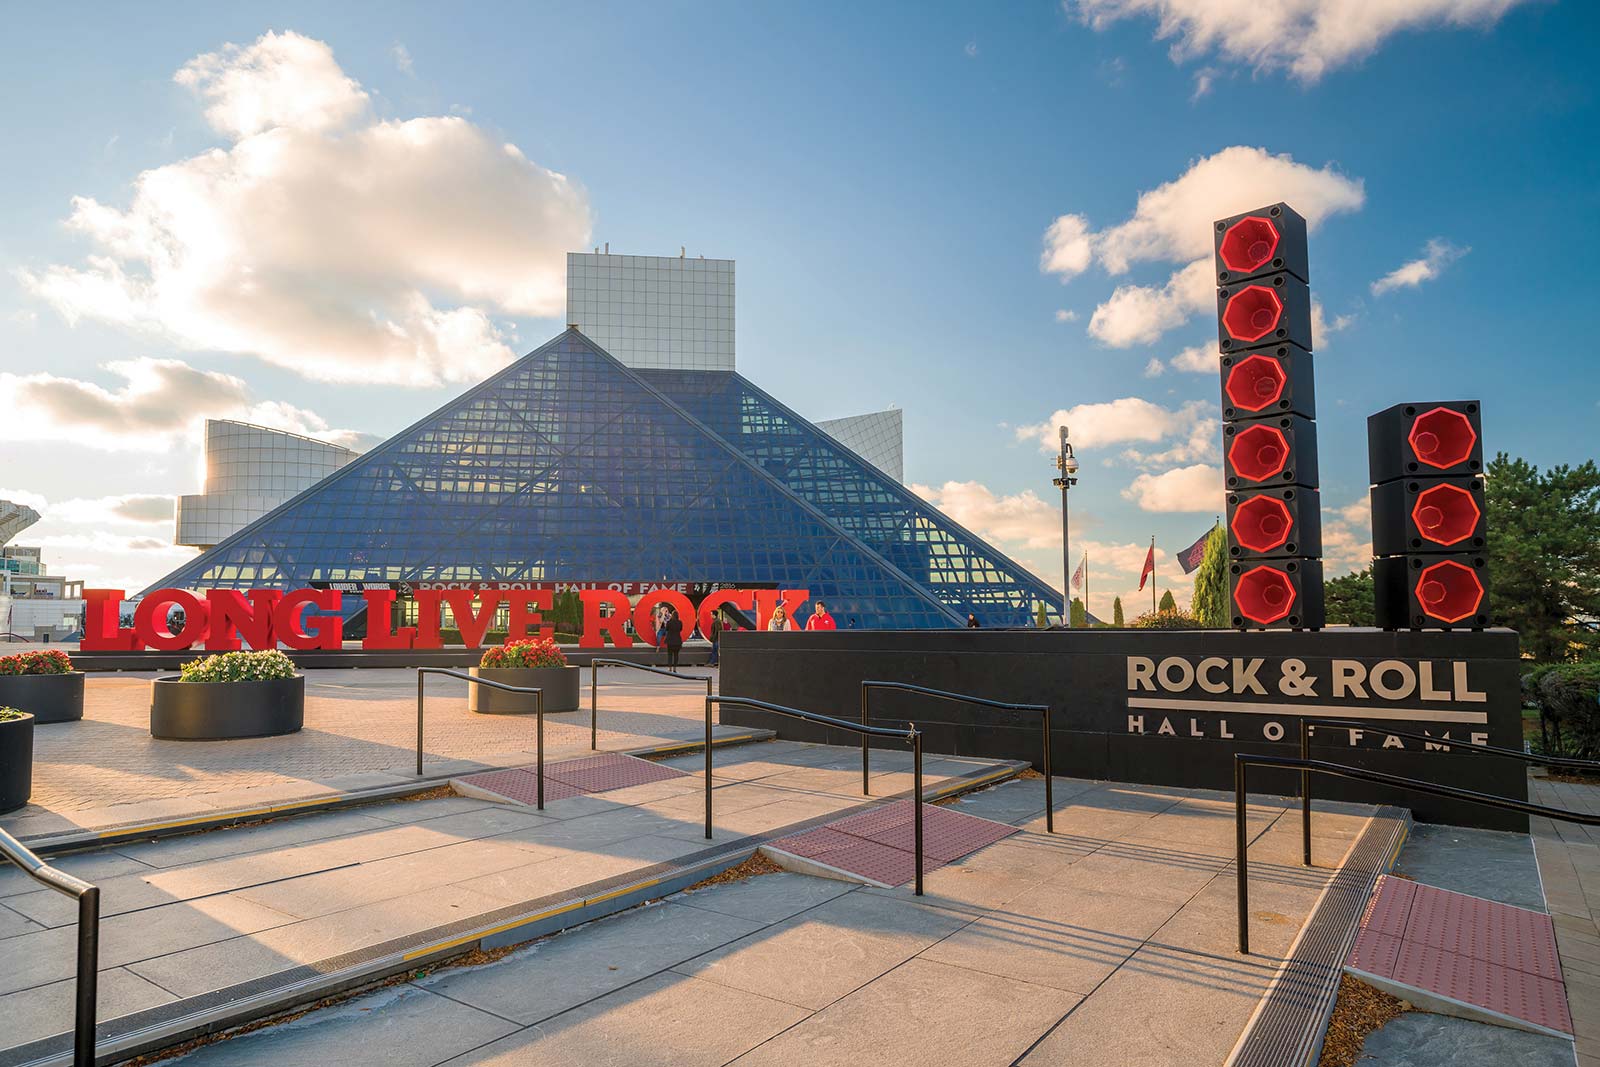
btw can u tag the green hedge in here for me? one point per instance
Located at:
(1568, 698)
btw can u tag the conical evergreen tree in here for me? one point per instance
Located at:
(1168, 602)
(1080, 616)
(1210, 603)
(1116, 612)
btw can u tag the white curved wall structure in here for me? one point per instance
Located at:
(249, 471)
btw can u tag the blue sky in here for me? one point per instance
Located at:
(885, 179)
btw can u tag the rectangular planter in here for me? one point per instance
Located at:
(560, 684)
(47, 697)
(220, 711)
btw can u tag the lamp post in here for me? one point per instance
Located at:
(1066, 478)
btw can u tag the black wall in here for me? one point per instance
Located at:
(1084, 676)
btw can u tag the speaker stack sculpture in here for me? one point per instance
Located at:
(1269, 430)
(1428, 516)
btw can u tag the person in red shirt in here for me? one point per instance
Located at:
(820, 619)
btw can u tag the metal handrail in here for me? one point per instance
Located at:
(966, 698)
(1307, 725)
(910, 733)
(88, 898)
(538, 693)
(594, 685)
(1243, 760)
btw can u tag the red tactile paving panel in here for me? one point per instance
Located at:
(1390, 906)
(1501, 989)
(1479, 952)
(871, 823)
(1375, 953)
(880, 844)
(860, 856)
(1495, 933)
(522, 786)
(946, 835)
(619, 773)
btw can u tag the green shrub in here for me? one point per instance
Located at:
(264, 666)
(529, 652)
(1167, 620)
(1569, 698)
(52, 662)
(7, 714)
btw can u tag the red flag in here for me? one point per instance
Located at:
(1077, 575)
(1149, 565)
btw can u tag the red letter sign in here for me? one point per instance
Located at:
(316, 631)
(379, 605)
(150, 620)
(232, 617)
(525, 618)
(596, 626)
(102, 623)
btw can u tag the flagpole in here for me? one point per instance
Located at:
(1086, 587)
(1152, 573)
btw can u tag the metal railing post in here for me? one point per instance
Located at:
(1241, 849)
(420, 677)
(1305, 792)
(1049, 793)
(708, 763)
(538, 703)
(916, 798)
(866, 791)
(88, 977)
(594, 705)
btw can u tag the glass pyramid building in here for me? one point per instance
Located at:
(569, 466)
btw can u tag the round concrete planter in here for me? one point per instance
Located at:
(560, 685)
(47, 697)
(16, 762)
(222, 711)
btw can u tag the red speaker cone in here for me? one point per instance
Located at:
(1258, 452)
(1248, 244)
(1264, 594)
(1262, 523)
(1445, 514)
(1252, 314)
(1442, 438)
(1449, 591)
(1255, 382)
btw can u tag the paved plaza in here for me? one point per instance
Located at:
(360, 732)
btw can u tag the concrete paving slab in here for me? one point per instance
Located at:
(1161, 1008)
(921, 1013)
(1069, 941)
(844, 944)
(90, 866)
(13, 923)
(667, 1020)
(50, 955)
(1481, 863)
(769, 898)
(562, 972)
(40, 1012)
(191, 972)
(271, 836)
(415, 811)
(1154, 871)
(404, 1025)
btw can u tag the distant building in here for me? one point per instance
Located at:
(249, 471)
(34, 604)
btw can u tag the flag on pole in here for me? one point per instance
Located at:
(1149, 564)
(1077, 575)
(1191, 557)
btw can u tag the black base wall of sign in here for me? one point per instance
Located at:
(1170, 707)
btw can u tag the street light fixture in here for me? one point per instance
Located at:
(1066, 478)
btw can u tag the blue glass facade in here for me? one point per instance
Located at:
(568, 466)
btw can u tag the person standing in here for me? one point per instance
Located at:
(779, 619)
(820, 619)
(972, 621)
(716, 638)
(672, 638)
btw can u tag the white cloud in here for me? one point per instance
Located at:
(1435, 258)
(157, 400)
(110, 542)
(280, 80)
(971, 49)
(322, 240)
(1155, 368)
(1204, 79)
(402, 58)
(1140, 314)
(1347, 538)
(1022, 519)
(1064, 315)
(1067, 247)
(1128, 418)
(1323, 327)
(1199, 359)
(1203, 444)
(1193, 488)
(1306, 38)
(1172, 224)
